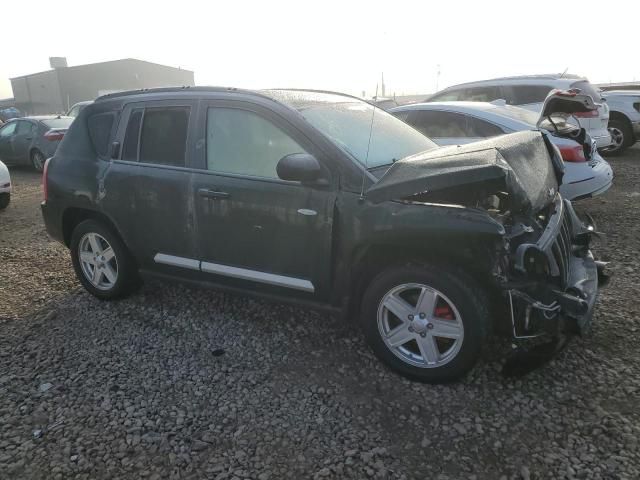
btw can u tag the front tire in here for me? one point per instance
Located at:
(428, 323)
(5, 199)
(102, 263)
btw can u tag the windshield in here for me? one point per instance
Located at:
(62, 122)
(347, 121)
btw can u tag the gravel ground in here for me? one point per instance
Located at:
(187, 383)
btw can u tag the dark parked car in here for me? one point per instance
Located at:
(31, 140)
(285, 194)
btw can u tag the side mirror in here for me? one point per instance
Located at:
(299, 167)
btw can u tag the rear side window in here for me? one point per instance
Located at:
(132, 135)
(161, 133)
(449, 96)
(482, 129)
(481, 94)
(438, 124)
(24, 128)
(164, 136)
(100, 126)
(525, 94)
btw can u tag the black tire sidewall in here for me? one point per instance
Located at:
(460, 289)
(127, 273)
(33, 160)
(5, 200)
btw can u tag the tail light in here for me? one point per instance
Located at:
(45, 187)
(54, 135)
(573, 154)
(589, 114)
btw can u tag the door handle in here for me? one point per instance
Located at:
(28, 138)
(206, 193)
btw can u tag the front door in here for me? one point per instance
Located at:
(7, 133)
(255, 230)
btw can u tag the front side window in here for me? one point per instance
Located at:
(243, 143)
(157, 135)
(8, 130)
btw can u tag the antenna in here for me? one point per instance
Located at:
(366, 158)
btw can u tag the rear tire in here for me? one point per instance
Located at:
(102, 262)
(37, 160)
(621, 136)
(5, 199)
(426, 322)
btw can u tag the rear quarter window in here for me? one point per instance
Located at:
(100, 127)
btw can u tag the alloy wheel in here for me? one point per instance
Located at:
(38, 161)
(420, 325)
(98, 261)
(617, 138)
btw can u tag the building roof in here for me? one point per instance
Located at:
(89, 65)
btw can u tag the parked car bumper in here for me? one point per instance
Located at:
(601, 137)
(596, 182)
(52, 221)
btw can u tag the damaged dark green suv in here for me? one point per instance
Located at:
(323, 200)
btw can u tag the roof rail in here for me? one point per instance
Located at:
(127, 93)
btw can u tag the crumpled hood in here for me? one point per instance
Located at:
(518, 164)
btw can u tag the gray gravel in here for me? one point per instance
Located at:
(186, 383)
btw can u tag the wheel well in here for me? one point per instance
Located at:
(73, 216)
(621, 117)
(371, 260)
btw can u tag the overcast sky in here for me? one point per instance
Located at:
(338, 45)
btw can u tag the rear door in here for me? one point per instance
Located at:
(254, 229)
(25, 131)
(148, 187)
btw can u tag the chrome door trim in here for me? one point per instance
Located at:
(177, 261)
(236, 272)
(255, 276)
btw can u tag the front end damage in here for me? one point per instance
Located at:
(543, 267)
(548, 272)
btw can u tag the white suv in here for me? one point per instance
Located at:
(529, 92)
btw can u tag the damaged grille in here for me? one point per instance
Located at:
(555, 243)
(561, 250)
